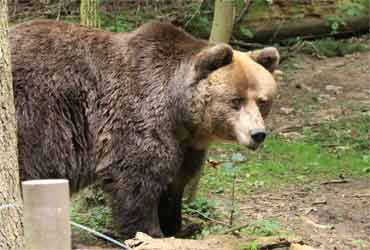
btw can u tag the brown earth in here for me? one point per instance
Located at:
(330, 217)
(314, 91)
(333, 216)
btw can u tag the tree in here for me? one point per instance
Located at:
(222, 27)
(10, 217)
(89, 13)
(223, 21)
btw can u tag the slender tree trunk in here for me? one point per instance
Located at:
(222, 27)
(223, 21)
(89, 13)
(11, 237)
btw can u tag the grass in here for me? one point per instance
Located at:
(334, 148)
(324, 152)
(89, 209)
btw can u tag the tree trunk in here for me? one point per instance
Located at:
(223, 21)
(222, 28)
(89, 13)
(10, 216)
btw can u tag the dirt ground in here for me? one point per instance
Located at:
(325, 89)
(330, 217)
(334, 216)
(315, 90)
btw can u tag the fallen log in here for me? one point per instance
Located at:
(295, 246)
(221, 242)
(306, 28)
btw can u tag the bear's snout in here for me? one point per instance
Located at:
(258, 135)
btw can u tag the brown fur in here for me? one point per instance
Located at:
(134, 111)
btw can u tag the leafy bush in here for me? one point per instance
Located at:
(330, 47)
(351, 9)
(200, 206)
(263, 228)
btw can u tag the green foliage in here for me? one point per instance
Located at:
(335, 22)
(245, 32)
(200, 207)
(239, 5)
(303, 160)
(253, 246)
(72, 19)
(349, 133)
(197, 18)
(351, 9)
(263, 228)
(98, 218)
(359, 244)
(330, 47)
(210, 229)
(260, 5)
(115, 24)
(89, 209)
(354, 8)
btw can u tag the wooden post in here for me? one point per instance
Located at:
(46, 214)
(223, 21)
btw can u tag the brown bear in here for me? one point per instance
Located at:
(135, 111)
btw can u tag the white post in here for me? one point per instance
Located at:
(46, 215)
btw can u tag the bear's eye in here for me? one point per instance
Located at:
(264, 107)
(237, 102)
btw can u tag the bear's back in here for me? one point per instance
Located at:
(74, 85)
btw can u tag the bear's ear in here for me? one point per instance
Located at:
(268, 57)
(211, 59)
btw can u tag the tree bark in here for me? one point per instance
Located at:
(223, 21)
(89, 13)
(222, 28)
(10, 217)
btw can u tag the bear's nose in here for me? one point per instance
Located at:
(258, 135)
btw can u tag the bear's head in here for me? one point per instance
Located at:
(234, 94)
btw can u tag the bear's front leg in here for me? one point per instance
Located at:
(134, 203)
(170, 211)
(171, 200)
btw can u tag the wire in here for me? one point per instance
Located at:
(101, 235)
(7, 206)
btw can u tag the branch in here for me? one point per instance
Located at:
(207, 217)
(243, 13)
(235, 229)
(246, 45)
(334, 182)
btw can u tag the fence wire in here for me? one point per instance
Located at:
(100, 235)
(89, 230)
(7, 206)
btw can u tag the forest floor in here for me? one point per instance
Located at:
(320, 126)
(311, 178)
